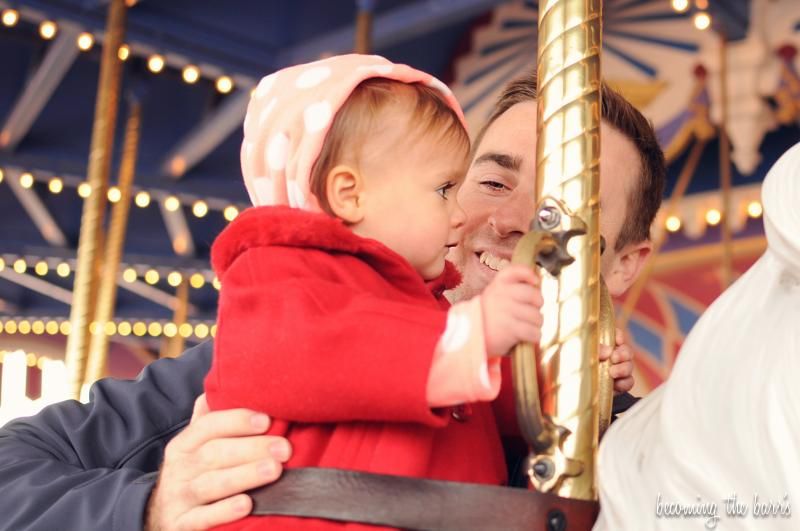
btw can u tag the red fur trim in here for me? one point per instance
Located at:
(292, 227)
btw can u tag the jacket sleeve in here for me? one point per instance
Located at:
(92, 466)
(324, 350)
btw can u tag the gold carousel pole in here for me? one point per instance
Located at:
(568, 172)
(93, 207)
(725, 166)
(107, 293)
(172, 347)
(363, 38)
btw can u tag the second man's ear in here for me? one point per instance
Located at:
(344, 187)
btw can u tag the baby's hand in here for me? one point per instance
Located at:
(511, 309)
(621, 369)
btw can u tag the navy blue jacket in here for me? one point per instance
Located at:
(92, 466)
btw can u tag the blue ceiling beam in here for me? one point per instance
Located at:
(41, 86)
(393, 27)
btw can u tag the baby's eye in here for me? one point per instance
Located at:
(442, 190)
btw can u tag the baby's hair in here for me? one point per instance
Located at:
(361, 116)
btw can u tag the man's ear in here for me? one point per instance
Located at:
(344, 188)
(627, 266)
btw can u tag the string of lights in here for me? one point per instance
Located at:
(53, 326)
(156, 62)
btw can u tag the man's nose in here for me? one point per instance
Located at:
(513, 215)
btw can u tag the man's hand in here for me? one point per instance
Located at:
(210, 464)
(511, 309)
(621, 369)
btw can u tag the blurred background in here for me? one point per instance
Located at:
(186, 72)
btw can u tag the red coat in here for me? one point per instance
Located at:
(333, 336)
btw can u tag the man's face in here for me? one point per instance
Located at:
(498, 198)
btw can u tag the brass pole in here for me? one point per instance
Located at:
(93, 208)
(568, 170)
(363, 38)
(725, 166)
(107, 294)
(687, 172)
(172, 347)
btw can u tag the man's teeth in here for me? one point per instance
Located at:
(493, 262)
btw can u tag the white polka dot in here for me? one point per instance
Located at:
(457, 332)
(383, 70)
(296, 197)
(483, 374)
(262, 118)
(313, 77)
(265, 85)
(277, 151)
(317, 116)
(438, 85)
(264, 191)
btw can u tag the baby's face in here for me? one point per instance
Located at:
(411, 180)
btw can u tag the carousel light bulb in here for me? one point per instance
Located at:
(701, 4)
(51, 328)
(114, 194)
(124, 52)
(20, 266)
(200, 209)
(230, 212)
(85, 41)
(680, 5)
(41, 268)
(129, 275)
(30, 359)
(48, 29)
(11, 327)
(170, 329)
(185, 330)
(155, 63)
(673, 223)
(201, 331)
(2, 264)
(55, 185)
(84, 190)
(154, 329)
(191, 74)
(216, 283)
(139, 329)
(754, 209)
(110, 328)
(174, 279)
(65, 328)
(224, 84)
(62, 270)
(702, 21)
(151, 277)
(24, 327)
(142, 199)
(213, 330)
(172, 203)
(124, 328)
(197, 281)
(713, 217)
(2, 174)
(37, 327)
(10, 17)
(26, 180)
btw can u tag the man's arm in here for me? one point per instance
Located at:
(92, 466)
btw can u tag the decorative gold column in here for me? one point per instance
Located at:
(93, 207)
(363, 38)
(568, 172)
(172, 347)
(107, 292)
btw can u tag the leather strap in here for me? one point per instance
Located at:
(411, 503)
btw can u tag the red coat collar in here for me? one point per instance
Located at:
(285, 226)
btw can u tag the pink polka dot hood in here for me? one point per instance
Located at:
(290, 114)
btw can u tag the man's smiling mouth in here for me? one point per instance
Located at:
(495, 263)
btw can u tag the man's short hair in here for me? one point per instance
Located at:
(643, 201)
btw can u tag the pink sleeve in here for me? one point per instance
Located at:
(460, 371)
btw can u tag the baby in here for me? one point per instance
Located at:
(331, 314)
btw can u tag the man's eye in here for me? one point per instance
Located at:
(494, 185)
(442, 190)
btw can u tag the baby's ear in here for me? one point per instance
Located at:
(343, 188)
